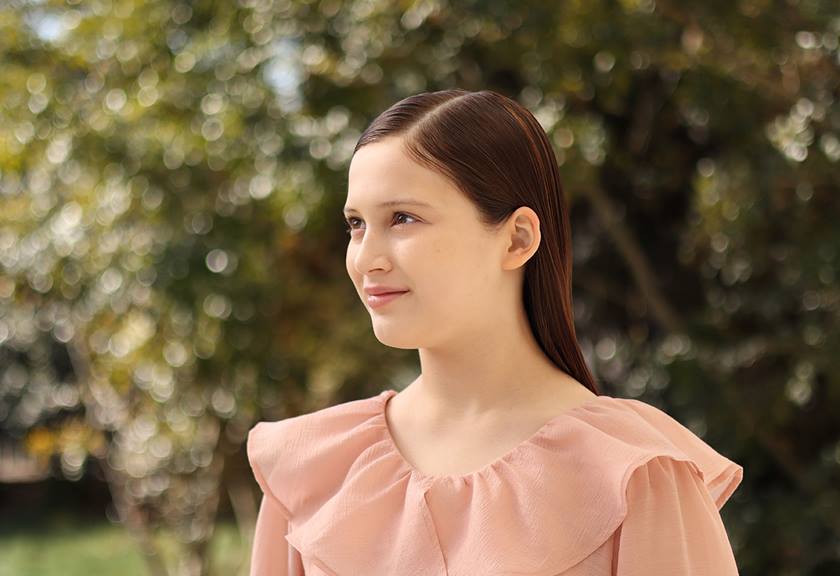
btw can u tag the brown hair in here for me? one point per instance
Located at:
(497, 153)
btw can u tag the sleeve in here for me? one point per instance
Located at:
(271, 554)
(673, 525)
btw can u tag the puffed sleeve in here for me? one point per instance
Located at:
(673, 526)
(271, 554)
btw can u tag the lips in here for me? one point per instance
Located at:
(380, 290)
(377, 300)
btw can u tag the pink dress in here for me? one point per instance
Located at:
(610, 487)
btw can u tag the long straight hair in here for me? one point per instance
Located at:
(499, 156)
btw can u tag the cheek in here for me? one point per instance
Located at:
(426, 263)
(450, 273)
(478, 278)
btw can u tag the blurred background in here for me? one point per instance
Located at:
(172, 246)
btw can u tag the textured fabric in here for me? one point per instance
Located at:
(591, 493)
(672, 525)
(271, 556)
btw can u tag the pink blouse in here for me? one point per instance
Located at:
(611, 487)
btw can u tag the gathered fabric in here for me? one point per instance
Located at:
(611, 487)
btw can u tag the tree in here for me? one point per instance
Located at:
(171, 178)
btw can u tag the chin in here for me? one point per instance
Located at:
(395, 335)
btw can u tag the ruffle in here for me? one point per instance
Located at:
(356, 506)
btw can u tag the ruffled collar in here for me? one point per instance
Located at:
(426, 480)
(357, 506)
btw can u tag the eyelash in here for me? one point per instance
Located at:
(349, 229)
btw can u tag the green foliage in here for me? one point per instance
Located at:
(171, 176)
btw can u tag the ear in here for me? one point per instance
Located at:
(522, 235)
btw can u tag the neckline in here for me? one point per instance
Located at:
(387, 394)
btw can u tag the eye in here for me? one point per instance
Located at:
(350, 222)
(348, 225)
(398, 214)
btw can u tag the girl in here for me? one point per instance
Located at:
(502, 458)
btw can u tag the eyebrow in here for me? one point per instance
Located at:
(399, 202)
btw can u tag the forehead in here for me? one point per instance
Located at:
(383, 171)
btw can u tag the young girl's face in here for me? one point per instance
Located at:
(429, 242)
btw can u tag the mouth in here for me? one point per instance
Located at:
(376, 300)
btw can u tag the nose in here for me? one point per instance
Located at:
(370, 253)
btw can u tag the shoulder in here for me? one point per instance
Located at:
(333, 414)
(310, 449)
(599, 457)
(619, 436)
